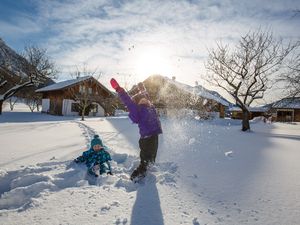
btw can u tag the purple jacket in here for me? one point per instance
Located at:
(145, 116)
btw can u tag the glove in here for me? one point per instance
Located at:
(109, 173)
(115, 85)
(76, 161)
(141, 87)
(143, 90)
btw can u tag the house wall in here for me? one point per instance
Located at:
(257, 114)
(297, 115)
(67, 109)
(97, 91)
(286, 118)
(101, 111)
(221, 110)
(45, 105)
(60, 100)
(285, 115)
(55, 102)
(239, 115)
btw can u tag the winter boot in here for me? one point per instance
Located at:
(139, 172)
(94, 170)
(103, 169)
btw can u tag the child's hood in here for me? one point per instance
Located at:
(96, 141)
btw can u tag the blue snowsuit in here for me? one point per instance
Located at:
(93, 158)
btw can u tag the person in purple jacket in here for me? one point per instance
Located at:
(142, 112)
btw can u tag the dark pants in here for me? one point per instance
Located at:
(148, 153)
(148, 148)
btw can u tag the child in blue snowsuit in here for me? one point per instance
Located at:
(96, 158)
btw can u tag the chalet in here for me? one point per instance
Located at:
(64, 98)
(236, 112)
(286, 110)
(171, 97)
(215, 101)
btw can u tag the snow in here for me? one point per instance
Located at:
(229, 153)
(213, 95)
(287, 103)
(63, 84)
(200, 91)
(207, 172)
(251, 109)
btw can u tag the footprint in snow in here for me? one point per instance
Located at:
(211, 212)
(119, 221)
(195, 221)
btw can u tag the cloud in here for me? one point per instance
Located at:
(19, 27)
(102, 33)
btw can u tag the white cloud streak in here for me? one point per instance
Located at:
(102, 33)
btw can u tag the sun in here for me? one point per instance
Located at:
(151, 61)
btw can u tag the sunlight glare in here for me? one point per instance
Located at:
(153, 61)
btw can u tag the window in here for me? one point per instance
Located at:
(90, 91)
(81, 89)
(285, 115)
(75, 107)
(94, 108)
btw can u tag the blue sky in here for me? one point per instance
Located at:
(132, 39)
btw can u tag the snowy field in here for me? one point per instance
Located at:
(207, 172)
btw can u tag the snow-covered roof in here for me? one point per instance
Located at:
(200, 91)
(258, 109)
(213, 95)
(251, 109)
(287, 103)
(63, 84)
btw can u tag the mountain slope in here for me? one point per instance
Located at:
(10, 59)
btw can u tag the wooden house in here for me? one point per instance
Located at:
(172, 97)
(286, 110)
(237, 113)
(64, 98)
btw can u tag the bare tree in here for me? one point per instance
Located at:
(84, 97)
(12, 102)
(291, 76)
(9, 89)
(34, 68)
(39, 65)
(246, 70)
(32, 99)
(31, 103)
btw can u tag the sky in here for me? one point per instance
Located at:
(130, 40)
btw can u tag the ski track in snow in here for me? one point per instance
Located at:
(19, 188)
(194, 190)
(87, 132)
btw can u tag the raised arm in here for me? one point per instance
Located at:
(126, 99)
